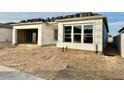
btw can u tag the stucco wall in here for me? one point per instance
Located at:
(116, 41)
(48, 34)
(105, 37)
(122, 44)
(45, 33)
(97, 36)
(5, 35)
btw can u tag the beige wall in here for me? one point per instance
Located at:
(97, 35)
(119, 43)
(122, 44)
(105, 36)
(5, 35)
(45, 33)
(48, 34)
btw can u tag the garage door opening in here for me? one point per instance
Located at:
(27, 36)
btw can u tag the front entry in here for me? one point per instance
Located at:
(27, 36)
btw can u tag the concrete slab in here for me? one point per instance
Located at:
(7, 73)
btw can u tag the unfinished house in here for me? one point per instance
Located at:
(119, 41)
(85, 31)
(5, 33)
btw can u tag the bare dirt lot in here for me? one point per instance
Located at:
(49, 62)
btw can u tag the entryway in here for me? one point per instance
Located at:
(27, 36)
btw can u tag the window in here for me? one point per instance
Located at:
(67, 33)
(88, 33)
(77, 34)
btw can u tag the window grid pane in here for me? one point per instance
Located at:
(88, 34)
(77, 34)
(67, 33)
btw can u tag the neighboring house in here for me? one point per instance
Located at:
(110, 39)
(119, 41)
(85, 31)
(5, 33)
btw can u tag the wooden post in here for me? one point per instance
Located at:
(66, 48)
(62, 49)
(96, 49)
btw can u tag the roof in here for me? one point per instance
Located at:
(74, 17)
(5, 25)
(53, 19)
(121, 30)
(87, 18)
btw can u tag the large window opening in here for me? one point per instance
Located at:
(67, 33)
(27, 36)
(88, 33)
(77, 34)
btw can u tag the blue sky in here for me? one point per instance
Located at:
(115, 19)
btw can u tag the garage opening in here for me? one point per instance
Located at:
(27, 36)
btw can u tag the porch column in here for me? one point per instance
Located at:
(39, 36)
(14, 37)
(60, 33)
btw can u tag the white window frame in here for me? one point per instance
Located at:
(64, 33)
(82, 32)
(78, 33)
(92, 33)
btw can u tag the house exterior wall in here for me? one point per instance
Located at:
(5, 35)
(97, 44)
(45, 33)
(48, 34)
(105, 36)
(117, 41)
(122, 44)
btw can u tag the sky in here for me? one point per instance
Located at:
(115, 19)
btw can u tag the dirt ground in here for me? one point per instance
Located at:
(49, 62)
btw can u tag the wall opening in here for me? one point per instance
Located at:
(27, 36)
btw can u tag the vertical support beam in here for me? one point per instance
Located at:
(82, 34)
(122, 44)
(14, 37)
(72, 34)
(39, 36)
(60, 33)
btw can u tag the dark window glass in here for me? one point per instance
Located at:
(68, 29)
(88, 34)
(88, 39)
(77, 29)
(67, 33)
(77, 34)
(67, 39)
(77, 38)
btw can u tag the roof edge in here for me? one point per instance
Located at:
(32, 23)
(121, 30)
(81, 18)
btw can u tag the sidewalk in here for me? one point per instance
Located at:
(7, 73)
